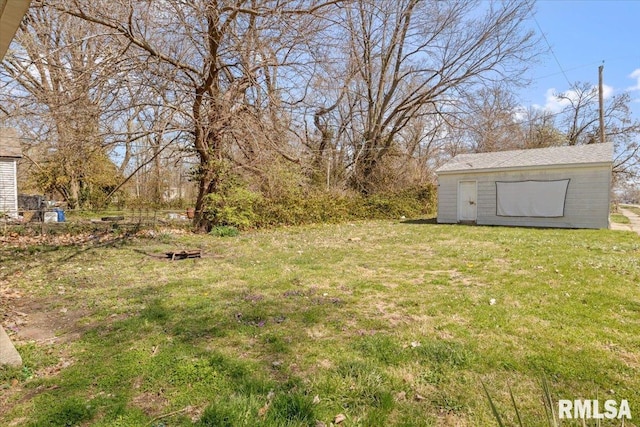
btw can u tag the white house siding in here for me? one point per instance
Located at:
(586, 206)
(448, 198)
(8, 188)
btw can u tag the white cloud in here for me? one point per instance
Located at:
(520, 113)
(554, 104)
(635, 75)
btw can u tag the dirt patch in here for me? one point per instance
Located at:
(30, 319)
(34, 321)
(449, 418)
(152, 404)
(21, 241)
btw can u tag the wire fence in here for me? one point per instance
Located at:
(57, 220)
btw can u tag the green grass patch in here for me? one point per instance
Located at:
(619, 218)
(388, 323)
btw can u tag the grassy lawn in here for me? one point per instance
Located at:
(387, 323)
(619, 218)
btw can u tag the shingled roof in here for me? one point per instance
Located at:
(9, 144)
(513, 159)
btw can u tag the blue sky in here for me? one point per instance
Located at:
(582, 34)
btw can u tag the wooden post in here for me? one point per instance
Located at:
(328, 172)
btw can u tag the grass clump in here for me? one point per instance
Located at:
(619, 218)
(219, 415)
(224, 231)
(67, 412)
(293, 408)
(444, 353)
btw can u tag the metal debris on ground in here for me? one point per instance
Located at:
(176, 255)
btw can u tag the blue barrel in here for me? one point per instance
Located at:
(60, 214)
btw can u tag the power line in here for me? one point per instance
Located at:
(577, 67)
(549, 45)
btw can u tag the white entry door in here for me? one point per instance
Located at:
(467, 201)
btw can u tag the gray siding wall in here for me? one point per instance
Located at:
(448, 198)
(8, 190)
(586, 206)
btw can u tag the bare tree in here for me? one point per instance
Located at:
(410, 59)
(579, 118)
(539, 129)
(491, 120)
(578, 123)
(58, 66)
(363, 90)
(83, 103)
(222, 59)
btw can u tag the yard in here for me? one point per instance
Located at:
(379, 323)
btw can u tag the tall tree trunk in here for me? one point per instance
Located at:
(205, 184)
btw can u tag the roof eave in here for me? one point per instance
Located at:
(11, 14)
(532, 167)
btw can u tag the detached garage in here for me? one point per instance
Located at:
(564, 187)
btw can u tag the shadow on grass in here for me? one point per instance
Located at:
(420, 221)
(31, 253)
(187, 338)
(198, 318)
(113, 241)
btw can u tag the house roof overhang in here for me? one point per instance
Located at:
(525, 168)
(9, 144)
(11, 14)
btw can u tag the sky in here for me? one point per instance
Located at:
(581, 35)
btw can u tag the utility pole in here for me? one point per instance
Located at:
(601, 102)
